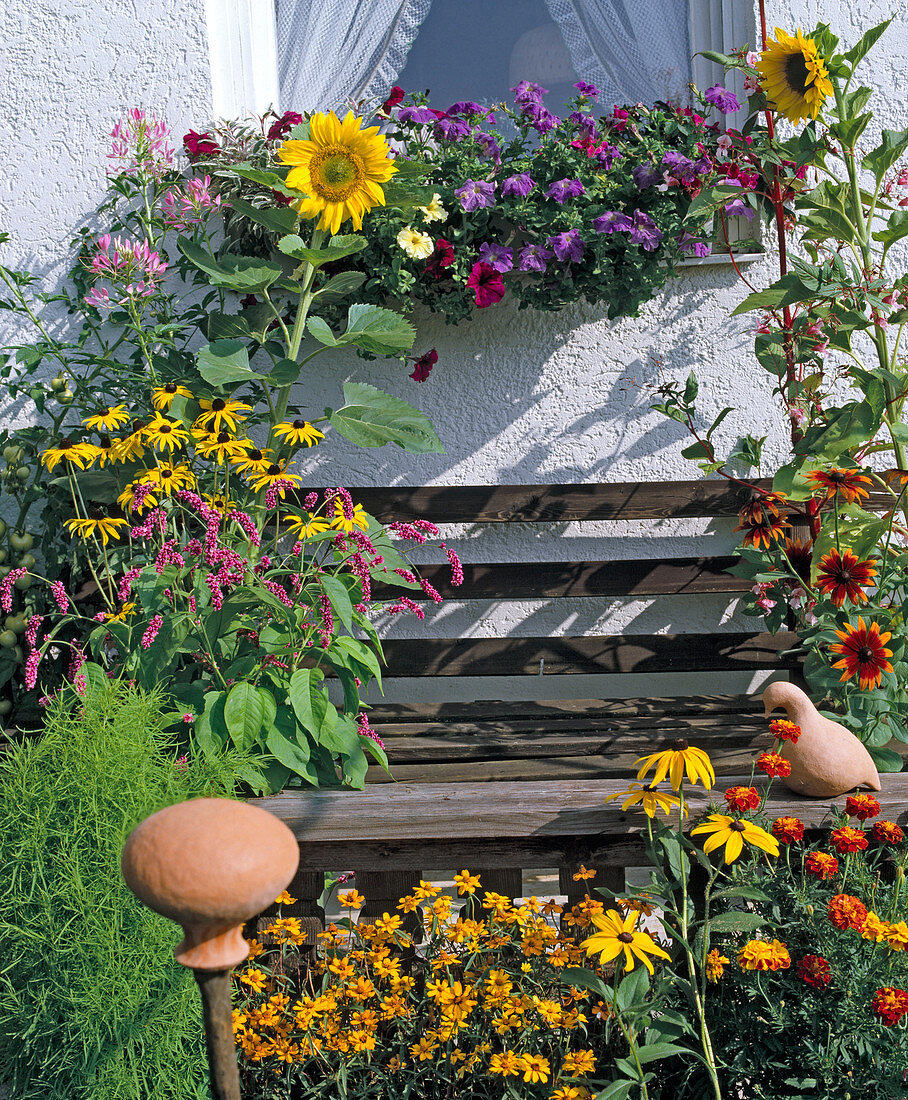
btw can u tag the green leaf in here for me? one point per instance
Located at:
(691, 389)
(586, 979)
(405, 195)
(320, 329)
(284, 372)
(742, 890)
(719, 58)
(342, 737)
(309, 701)
(891, 147)
(896, 228)
(245, 274)
(225, 362)
(617, 1090)
(828, 216)
(292, 754)
(633, 989)
(337, 593)
(372, 418)
(209, 731)
(360, 652)
(886, 760)
(244, 713)
(336, 249)
(863, 46)
(377, 330)
(266, 179)
(652, 1052)
(789, 479)
(787, 291)
(341, 286)
(248, 322)
(743, 921)
(850, 129)
(852, 424)
(279, 219)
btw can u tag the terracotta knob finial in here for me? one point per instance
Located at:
(210, 864)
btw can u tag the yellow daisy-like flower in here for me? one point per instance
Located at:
(650, 800)
(466, 883)
(120, 616)
(130, 446)
(220, 413)
(275, 471)
(167, 478)
(303, 528)
(342, 523)
(535, 1068)
(165, 435)
(418, 246)
(674, 762)
(340, 168)
(105, 526)
(795, 77)
(251, 460)
(127, 498)
(163, 396)
(221, 503)
(113, 417)
(77, 454)
(733, 834)
(102, 452)
(299, 432)
(222, 447)
(433, 211)
(716, 963)
(619, 934)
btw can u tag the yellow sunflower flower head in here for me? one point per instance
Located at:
(795, 78)
(681, 758)
(340, 168)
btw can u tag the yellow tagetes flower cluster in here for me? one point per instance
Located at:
(482, 999)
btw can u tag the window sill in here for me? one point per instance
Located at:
(722, 258)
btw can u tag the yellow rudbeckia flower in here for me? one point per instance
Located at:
(734, 834)
(674, 762)
(648, 799)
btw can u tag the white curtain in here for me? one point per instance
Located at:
(634, 51)
(334, 50)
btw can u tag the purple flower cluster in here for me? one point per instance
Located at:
(726, 101)
(476, 195)
(528, 97)
(641, 228)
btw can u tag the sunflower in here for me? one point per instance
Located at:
(164, 434)
(110, 418)
(219, 413)
(733, 834)
(167, 478)
(104, 526)
(163, 397)
(252, 460)
(650, 800)
(675, 761)
(299, 432)
(340, 169)
(275, 471)
(220, 447)
(619, 934)
(77, 454)
(864, 653)
(837, 482)
(843, 576)
(795, 77)
(304, 528)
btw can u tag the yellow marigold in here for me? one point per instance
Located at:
(506, 1064)
(350, 899)
(535, 1068)
(284, 898)
(764, 955)
(466, 883)
(897, 936)
(255, 979)
(715, 965)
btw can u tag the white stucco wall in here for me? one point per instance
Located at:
(516, 396)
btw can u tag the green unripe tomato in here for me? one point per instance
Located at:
(19, 654)
(6, 705)
(23, 473)
(58, 384)
(21, 541)
(8, 639)
(3, 528)
(27, 561)
(16, 623)
(3, 555)
(66, 397)
(12, 453)
(22, 583)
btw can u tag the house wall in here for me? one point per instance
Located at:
(517, 396)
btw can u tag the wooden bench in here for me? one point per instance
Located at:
(503, 786)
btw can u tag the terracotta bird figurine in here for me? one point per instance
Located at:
(827, 759)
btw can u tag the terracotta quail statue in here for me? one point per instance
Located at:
(827, 759)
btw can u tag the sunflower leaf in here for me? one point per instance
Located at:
(377, 330)
(336, 249)
(891, 147)
(372, 418)
(280, 219)
(266, 179)
(863, 46)
(224, 362)
(340, 286)
(245, 274)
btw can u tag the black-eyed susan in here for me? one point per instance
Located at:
(167, 478)
(342, 522)
(276, 471)
(221, 413)
(108, 419)
(129, 447)
(102, 452)
(734, 834)
(795, 77)
(340, 169)
(648, 799)
(128, 499)
(303, 527)
(165, 434)
(681, 758)
(75, 454)
(122, 615)
(222, 447)
(163, 396)
(844, 576)
(252, 460)
(220, 503)
(864, 653)
(299, 433)
(104, 527)
(619, 934)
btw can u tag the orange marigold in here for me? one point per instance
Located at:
(764, 955)
(846, 911)
(783, 730)
(788, 830)
(848, 839)
(889, 1004)
(814, 970)
(821, 865)
(774, 765)
(887, 832)
(861, 806)
(742, 798)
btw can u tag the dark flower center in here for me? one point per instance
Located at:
(865, 654)
(737, 826)
(845, 575)
(299, 424)
(796, 73)
(166, 473)
(65, 444)
(224, 437)
(255, 455)
(163, 429)
(837, 476)
(273, 470)
(680, 745)
(105, 442)
(171, 387)
(218, 405)
(625, 937)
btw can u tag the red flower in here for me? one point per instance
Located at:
(742, 798)
(847, 839)
(863, 653)
(788, 830)
(846, 483)
(487, 284)
(887, 832)
(767, 529)
(814, 970)
(396, 96)
(846, 911)
(783, 730)
(422, 367)
(821, 865)
(443, 256)
(844, 576)
(774, 765)
(889, 1004)
(861, 806)
(199, 146)
(284, 125)
(800, 556)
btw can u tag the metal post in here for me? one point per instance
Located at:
(214, 985)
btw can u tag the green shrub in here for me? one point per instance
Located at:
(93, 1005)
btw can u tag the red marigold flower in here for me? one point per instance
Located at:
(861, 806)
(442, 257)
(837, 482)
(887, 832)
(742, 798)
(889, 1004)
(783, 730)
(821, 865)
(814, 970)
(800, 557)
(788, 830)
(848, 839)
(774, 765)
(767, 529)
(846, 911)
(844, 576)
(863, 653)
(487, 285)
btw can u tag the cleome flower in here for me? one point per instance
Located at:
(734, 834)
(616, 935)
(681, 758)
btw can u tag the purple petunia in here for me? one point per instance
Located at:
(452, 129)
(497, 256)
(419, 115)
(528, 92)
(606, 155)
(565, 189)
(720, 97)
(585, 125)
(465, 107)
(612, 222)
(541, 119)
(679, 165)
(488, 146)
(645, 175)
(568, 247)
(534, 257)
(519, 186)
(688, 243)
(645, 232)
(736, 206)
(586, 89)
(476, 195)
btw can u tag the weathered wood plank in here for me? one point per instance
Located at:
(610, 653)
(555, 580)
